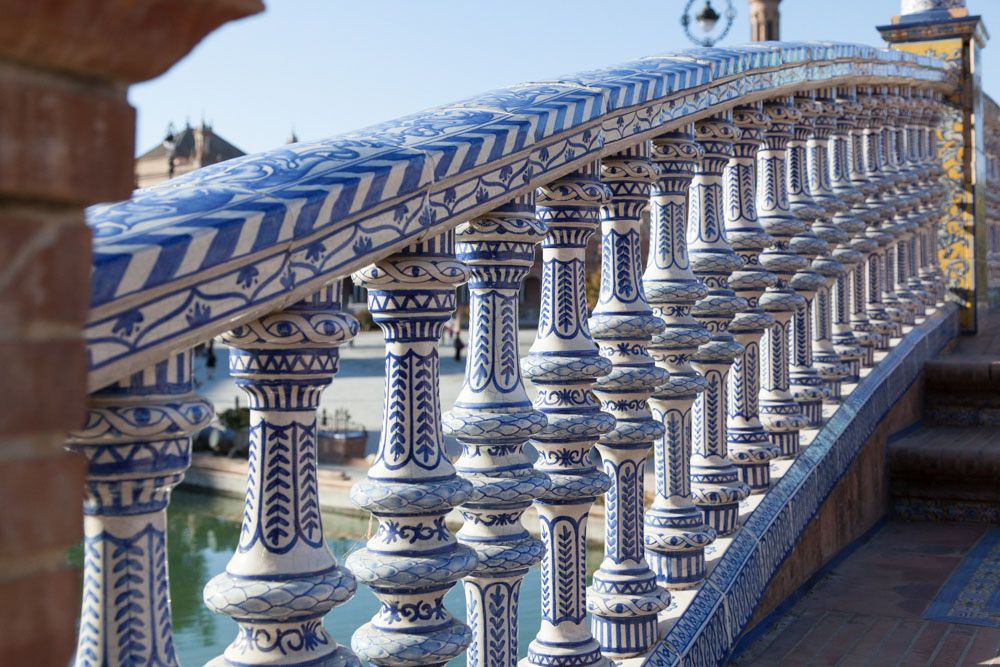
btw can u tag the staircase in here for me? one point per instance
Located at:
(948, 468)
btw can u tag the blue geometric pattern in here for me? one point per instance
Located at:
(972, 595)
(720, 611)
(181, 261)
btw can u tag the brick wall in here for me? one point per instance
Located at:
(66, 141)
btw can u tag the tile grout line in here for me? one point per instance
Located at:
(968, 648)
(860, 636)
(882, 641)
(909, 647)
(940, 644)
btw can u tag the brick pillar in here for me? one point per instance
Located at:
(66, 141)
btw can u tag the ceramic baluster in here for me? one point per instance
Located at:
(897, 206)
(493, 418)
(624, 599)
(846, 343)
(805, 381)
(826, 360)
(935, 199)
(925, 193)
(282, 580)
(868, 213)
(564, 365)
(676, 534)
(715, 482)
(749, 447)
(878, 316)
(412, 560)
(912, 302)
(780, 414)
(137, 444)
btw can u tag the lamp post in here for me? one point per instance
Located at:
(707, 19)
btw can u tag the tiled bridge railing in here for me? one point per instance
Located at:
(793, 199)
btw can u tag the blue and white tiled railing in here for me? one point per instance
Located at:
(790, 195)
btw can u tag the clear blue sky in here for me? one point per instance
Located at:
(330, 66)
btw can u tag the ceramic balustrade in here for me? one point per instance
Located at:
(934, 199)
(715, 483)
(283, 579)
(788, 240)
(805, 382)
(137, 445)
(919, 192)
(412, 560)
(748, 445)
(675, 531)
(908, 215)
(874, 162)
(826, 360)
(864, 328)
(896, 205)
(932, 277)
(780, 413)
(625, 599)
(492, 419)
(564, 365)
(845, 342)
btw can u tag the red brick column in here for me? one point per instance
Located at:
(66, 141)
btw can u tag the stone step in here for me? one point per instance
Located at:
(963, 391)
(947, 473)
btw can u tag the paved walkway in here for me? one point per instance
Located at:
(868, 610)
(359, 385)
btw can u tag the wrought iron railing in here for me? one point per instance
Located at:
(791, 196)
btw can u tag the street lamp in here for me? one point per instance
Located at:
(707, 19)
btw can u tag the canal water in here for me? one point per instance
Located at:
(202, 532)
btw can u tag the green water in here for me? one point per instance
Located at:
(202, 531)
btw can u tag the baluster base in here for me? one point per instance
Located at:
(751, 451)
(622, 638)
(834, 389)
(675, 540)
(788, 442)
(623, 607)
(584, 653)
(342, 657)
(853, 366)
(716, 490)
(783, 419)
(680, 570)
(724, 519)
(756, 475)
(281, 625)
(812, 411)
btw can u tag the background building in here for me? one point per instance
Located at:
(181, 152)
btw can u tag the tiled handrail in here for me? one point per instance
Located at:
(189, 259)
(834, 145)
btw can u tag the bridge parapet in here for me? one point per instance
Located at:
(255, 249)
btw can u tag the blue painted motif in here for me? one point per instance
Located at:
(412, 485)
(283, 578)
(624, 599)
(137, 445)
(492, 419)
(564, 368)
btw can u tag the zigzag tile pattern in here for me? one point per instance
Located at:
(185, 260)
